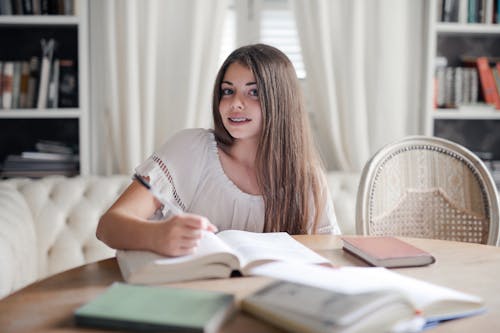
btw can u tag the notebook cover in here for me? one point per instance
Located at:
(147, 308)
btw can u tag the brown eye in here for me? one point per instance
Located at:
(254, 92)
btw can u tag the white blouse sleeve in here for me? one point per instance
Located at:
(175, 169)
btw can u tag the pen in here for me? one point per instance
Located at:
(167, 203)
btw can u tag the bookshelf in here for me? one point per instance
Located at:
(453, 108)
(64, 118)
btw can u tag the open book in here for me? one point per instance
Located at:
(434, 303)
(217, 256)
(302, 308)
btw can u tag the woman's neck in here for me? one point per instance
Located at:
(244, 152)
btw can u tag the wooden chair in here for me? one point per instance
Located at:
(428, 187)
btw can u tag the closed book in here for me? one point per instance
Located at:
(386, 251)
(487, 80)
(8, 77)
(145, 308)
(68, 84)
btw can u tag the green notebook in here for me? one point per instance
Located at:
(147, 308)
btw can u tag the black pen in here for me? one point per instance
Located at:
(167, 203)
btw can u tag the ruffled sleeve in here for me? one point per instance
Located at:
(176, 168)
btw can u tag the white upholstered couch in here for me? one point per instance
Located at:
(48, 225)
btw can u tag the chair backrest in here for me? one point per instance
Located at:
(428, 187)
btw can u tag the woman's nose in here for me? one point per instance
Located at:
(237, 103)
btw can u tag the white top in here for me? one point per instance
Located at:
(187, 170)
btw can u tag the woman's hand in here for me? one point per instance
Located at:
(181, 234)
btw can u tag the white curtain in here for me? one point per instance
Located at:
(364, 61)
(153, 67)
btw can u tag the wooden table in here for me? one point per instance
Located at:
(48, 305)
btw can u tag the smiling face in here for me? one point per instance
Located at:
(239, 106)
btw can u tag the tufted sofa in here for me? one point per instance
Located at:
(48, 225)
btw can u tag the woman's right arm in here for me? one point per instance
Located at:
(125, 225)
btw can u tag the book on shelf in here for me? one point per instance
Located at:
(148, 308)
(490, 92)
(68, 84)
(8, 77)
(33, 81)
(48, 48)
(21, 163)
(53, 91)
(52, 146)
(16, 85)
(496, 75)
(298, 307)
(434, 303)
(450, 11)
(36, 155)
(23, 85)
(385, 251)
(217, 256)
(37, 173)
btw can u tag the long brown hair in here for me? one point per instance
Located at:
(289, 171)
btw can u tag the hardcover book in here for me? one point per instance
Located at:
(386, 251)
(217, 256)
(147, 308)
(433, 303)
(488, 84)
(302, 308)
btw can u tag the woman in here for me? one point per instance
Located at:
(257, 170)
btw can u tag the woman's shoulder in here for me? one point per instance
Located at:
(192, 134)
(191, 140)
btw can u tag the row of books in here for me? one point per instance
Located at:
(469, 11)
(44, 82)
(456, 86)
(459, 86)
(36, 7)
(47, 158)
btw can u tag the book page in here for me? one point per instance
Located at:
(149, 267)
(256, 248)
(435, 301)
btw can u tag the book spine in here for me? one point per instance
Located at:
(16, 85)
(23, 93)
(48, 48)
(44, 83)
(462, 11)
(8, 74)
(471, 11)
(1, 83)
(53, 85)
(496, 75)
(33, 82)
(487, 80)
(68, 84)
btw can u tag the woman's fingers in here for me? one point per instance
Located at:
(183, 233)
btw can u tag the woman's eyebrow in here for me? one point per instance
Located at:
(246, 84)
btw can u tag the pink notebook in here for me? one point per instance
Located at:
(386, 251)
